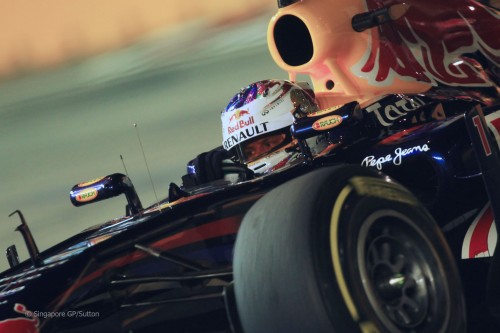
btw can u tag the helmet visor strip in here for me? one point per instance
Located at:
(252, 150)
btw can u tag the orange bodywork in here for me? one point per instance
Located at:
(346, 65)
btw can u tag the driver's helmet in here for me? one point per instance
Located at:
(256, 124)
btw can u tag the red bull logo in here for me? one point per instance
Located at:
(240, 125)
(26, 324)
(238, 114)
(236, 122)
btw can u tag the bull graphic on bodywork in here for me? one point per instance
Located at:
(434, 44)
(425, 45)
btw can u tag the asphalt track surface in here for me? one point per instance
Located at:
(71, 124)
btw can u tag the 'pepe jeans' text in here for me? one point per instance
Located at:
(396, 158)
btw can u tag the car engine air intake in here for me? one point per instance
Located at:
(293, 40)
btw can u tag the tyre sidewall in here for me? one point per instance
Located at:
(345, 277)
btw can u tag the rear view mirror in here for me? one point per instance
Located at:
(105, 188)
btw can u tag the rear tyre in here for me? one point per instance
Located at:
(343, 249)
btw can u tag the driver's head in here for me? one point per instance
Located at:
(256, 124)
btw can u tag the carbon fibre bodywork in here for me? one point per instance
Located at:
(169, 265)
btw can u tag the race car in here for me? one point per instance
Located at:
(391, 228)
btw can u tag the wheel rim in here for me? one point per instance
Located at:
(401, 275)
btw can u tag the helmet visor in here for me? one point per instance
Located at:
(252, 150)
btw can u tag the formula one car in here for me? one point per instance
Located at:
(392, 229)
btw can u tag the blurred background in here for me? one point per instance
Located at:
(76, 75)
